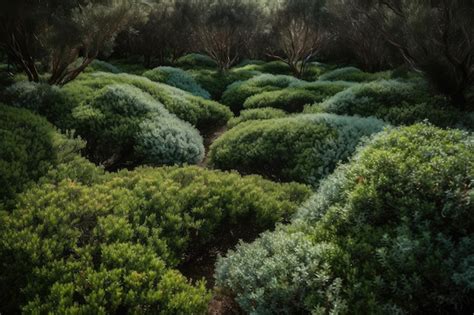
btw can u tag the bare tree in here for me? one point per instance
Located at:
(59, 33)
(435, 38)
(298, 33)
(225, 29)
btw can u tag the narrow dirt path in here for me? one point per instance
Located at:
(209, 140)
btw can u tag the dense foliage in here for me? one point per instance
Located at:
(29, 147)
(123, 124)
(202, 113)
(395, 101)
(303, 148)
(391, 232)
(256, 114)
(177, 78)
(111, 244)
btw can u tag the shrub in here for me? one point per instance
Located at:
(169, 141)
(256, 114)
(191, 61)
(29, 146)
(44, 99)
(203, 114)
(290, 100)
(122, 124)
(400, 217)
(236, 93)
(111, 246)
(177, 78)
(102, 66)
(216, 81)
(324, 88)
(266, 282)
(353, 74)
(303, 148)
(395, 102)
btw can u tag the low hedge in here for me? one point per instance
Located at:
(112, 245)
(237, 93)
(302, 148)
(202, 113)
(29, 147)
(256, 114)
(177, 78)
(124, 125)
(391, 232)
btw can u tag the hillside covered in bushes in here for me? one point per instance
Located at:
(236, 157)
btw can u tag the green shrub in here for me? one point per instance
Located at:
(237, 93)
(266, 282)
(400, 218)
(302, 148)
(41, 98)
(29, 147)
(396, 102)
(353, 74)
(111, 245)
(203, 114)
(169, 141)
(290, 99)
(177, 78)
(191, 61)
(256, 114)
(324, 88)
(122, 124)
(216, 81)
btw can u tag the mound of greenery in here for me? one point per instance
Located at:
(191, 61)
(178, 78)
(122, 124)
(29, 147)
(391, 232)
(396, 102)
(41, 98)
(216, 81)
(94, 243)
(238, 92)
(202, 113)
(102, 66)
(256, 114)
(289, 99)
(353, 74)
(303, 148)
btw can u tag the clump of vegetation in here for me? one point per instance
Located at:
(290, 99)
(29, 147)
(303, 148)
(396, 102)
(177, 78)
(122, 124)
(237, 93)
(256, 114)
(192, 61)
(389, 232)
(116, 244)
(204, 114)
(354, 75)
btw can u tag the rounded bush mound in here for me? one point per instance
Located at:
(199, 112)
(177, 78)
(195, 61)
(216, 81)
(236, 93)
(113, 245)
(303, 148)
(29, 147)
(256, 114)
(41, 98)
(396, 102)
(122, 124)
(353, 74)
(291, 100)
(398, 220)
(168, 140)
(325, 89)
